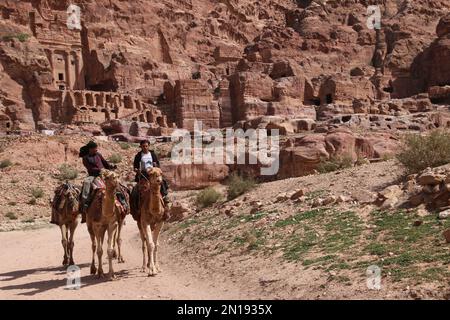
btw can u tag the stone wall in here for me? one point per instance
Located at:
(193, 100)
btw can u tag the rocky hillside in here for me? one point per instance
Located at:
(290, 53)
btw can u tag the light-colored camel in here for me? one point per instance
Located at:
(66, 215)
(103, 216)
(151, 219)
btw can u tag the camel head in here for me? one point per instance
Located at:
(155, 176)
(153, 180)
(110, 178)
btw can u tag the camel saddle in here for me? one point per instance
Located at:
(122, 199)
(59, 199)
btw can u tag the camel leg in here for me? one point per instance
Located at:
(94, 248)
(112, 230)
(73, 227)
(114, 241)
(120, 258)
(141, 233)
(150, 249)
(64, 244)
(156, 232)
(100, 238)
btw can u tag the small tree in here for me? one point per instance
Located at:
(67, 172)
(335, 163)
(115, 158)
(423, 151)
(207, 197)
(238, 185)
(5, 163)
(37, 192)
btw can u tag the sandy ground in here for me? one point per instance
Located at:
(30, 268)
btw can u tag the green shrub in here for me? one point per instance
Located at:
(420, 152)
(115, 158)
(12, 203)
(32, 201)
(67, 172)
(37, 193)
(238, 185)
(11, 215)
(124, 145)
(335, 163)
(207, 197)
(5, 163)
(22, 37)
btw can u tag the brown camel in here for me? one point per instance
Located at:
(66, 215)
(151, 220)
(118, 239)
(104, 215)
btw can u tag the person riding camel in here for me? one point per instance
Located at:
(94, 163)
(144, 160)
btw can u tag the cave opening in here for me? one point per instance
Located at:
(316, 101)
(346, 118)
(105, 86)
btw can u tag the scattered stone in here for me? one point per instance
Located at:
(430, 178)
(418, 223)
(342, 199)
(254, 210)
(281, 197)
(444, 214)
(430, 189)
(297, 194)
(229, 212)
(329, 200)
(390, 192)
(317, 202)
(389, 204)
(179, 211)
(416, 199)
(446, 235)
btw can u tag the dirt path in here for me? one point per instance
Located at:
(30, 268)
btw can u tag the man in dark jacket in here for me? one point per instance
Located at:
(94, 163)
(144, 160)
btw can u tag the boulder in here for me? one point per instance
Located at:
(444, 214)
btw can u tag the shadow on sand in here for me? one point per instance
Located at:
(37, 287)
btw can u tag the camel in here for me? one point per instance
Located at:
(104, 215)
(118, 239)
(151, 220)
(66, 215)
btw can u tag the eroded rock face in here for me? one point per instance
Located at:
(193, 176)
(238, 59)
(312, 70)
